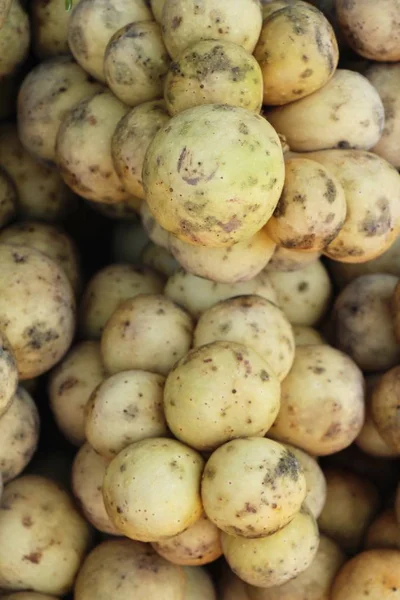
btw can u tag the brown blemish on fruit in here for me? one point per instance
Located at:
(33, 557)
(67, 384)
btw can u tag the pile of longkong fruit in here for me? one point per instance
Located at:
(199, 300)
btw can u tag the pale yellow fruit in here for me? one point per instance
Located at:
(304, 335)
(142, 474)
(386, 79)
(297, 52)
(70, 386)
(372, 189)
(372, 31)
(50, 23)
(346, 113)
(322, 401)
(46, 95)
(14, 39)
(88, 470)
(159, 259)
(83, 147)
(93, 23)
(209, 189)
(254, 322)
(125, 408)
(148, 332)
(284, 259)
(118, 568)
(108, 288)
(369, 439)
(213, 72)
(277, 558)
(312, 584)
(384, 407)
(37, 309)
(198, 545)
(388, 262)
(42, 194)
(252, 487)
(311, 210)
(315, 480)
(136, 63)
(304, 295)
(184, 24)
(49, 240)
(130, 141)
(197, 294)
(19, 435)
(47, 537)
(220, 391)
(239, 262)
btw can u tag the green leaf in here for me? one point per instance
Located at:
(68, 5)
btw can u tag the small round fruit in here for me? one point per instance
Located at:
(252, 487)
(70, 386)
(311, 210)
(239, 262)
(148, 332)
(220, 391)
(197, 294)
(136, 63)
(209, 189)
(385, 407)
(119, 568)
(200, 544)
(292, 70)
(37, 309)
(125, 408)
(277, 558)
(131, 139)
(384, 532)
(374, 573)
(255, 322)
(184, 24)
(363, 322)
(88, 470)
(213, 72)
(107, 289)
(19, 435)
(322, 401)
(142, 474)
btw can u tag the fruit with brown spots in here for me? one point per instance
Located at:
(254, 322)
(277, 558)
(209, 189)
(218, 392)
(53, 538)
(322, 401)
(213, 72)
(132, 493)
(117, 568)
(293, 71)
(252, 487)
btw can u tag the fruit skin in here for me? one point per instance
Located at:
(152, 489)
(296, 68)
(212, 189)
(213, 72)
(184, 23)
